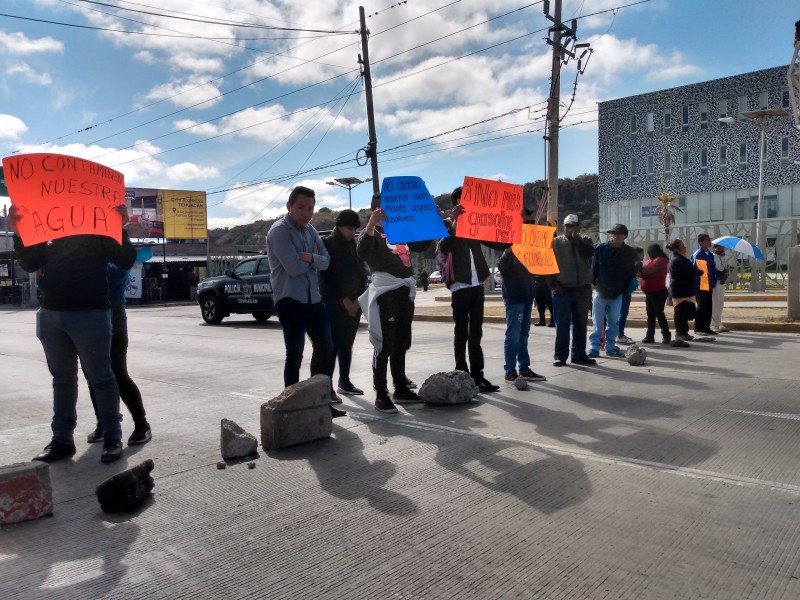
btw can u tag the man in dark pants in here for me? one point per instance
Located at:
(342, 283)
(467, 298)
(74, 322)
(703, 259)
(296, 256)
(388, 305)
(572, 292)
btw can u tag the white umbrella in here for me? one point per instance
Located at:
(738, 244)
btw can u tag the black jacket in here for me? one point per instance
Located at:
(682, 276)
(519, 285)
(394, 259)
(461, 248)
(346, 277)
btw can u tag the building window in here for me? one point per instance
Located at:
(650, 166)
(784, 151)
(650, 123)
(723, 156)
(704, 115)
(763, 100)
(617, 172)
(704, 161)
(617, 128)
(667, 121)
(742, 104)
(667, 162)
(685, 118)
(723, 111)
(634, 125)
(685, 161)
(785, 99)
(634, 169)
(743, 155)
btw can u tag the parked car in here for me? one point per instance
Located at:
(498, 278)
(246, 288)
(436, 277)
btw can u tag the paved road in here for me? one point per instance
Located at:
(674, 480)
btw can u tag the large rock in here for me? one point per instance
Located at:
(235, 442)
(25, 492)
(301, 413)
(453, 387)
(636, 355)
(126, 490)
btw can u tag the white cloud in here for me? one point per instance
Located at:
(11, 127)
(145, 56)
(194, 92)
(187, 171)
(28, 74)
(19, 43)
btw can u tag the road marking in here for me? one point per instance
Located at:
(758, 413)
(593, 456)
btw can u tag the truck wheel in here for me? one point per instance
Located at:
(261, 316)
(209, 307)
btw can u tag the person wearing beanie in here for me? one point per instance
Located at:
(341, 284)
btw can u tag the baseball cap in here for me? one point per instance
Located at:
(618, 228)
(571, 220)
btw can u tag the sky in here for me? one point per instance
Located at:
(245, 99)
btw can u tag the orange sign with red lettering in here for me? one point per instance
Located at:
(57, 196)
(492, 211)
(535, 251)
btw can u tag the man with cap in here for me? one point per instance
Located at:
(572, 292)
(341, 285)
(614, 266)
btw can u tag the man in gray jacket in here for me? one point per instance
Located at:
(572, 292)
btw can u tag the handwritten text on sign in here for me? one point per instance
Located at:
(411, 214)
(535, 251)
(493, 211)
(58, 196)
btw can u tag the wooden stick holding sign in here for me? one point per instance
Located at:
(58, 196)
(535, 251)
(492, 211)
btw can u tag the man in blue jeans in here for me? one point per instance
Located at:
(74, 322)
(296, 255)
(613, 267)
(572, 292)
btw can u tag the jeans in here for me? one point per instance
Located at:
(623, 313)
(467, 304)
(128, 390)
(343, 334)
(298, 319)
(515, 345)
(654, 304)
(397, 313)
(67, 335)
(702, 321)
(605, 309)
(571, 309)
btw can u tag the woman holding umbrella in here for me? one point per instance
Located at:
(682, 289)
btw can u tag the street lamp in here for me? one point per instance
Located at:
(349, 183)
(758, 283)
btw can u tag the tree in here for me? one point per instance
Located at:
(667, 205)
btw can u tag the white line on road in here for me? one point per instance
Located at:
(758, 413)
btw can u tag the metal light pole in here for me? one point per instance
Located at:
(758, 276)
(348, 183)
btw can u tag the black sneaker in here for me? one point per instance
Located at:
(586, 361)
(337, 412)
(649, 340)
(112, 450)
(529, 375)
(334, 398)
(410, 384)
(141, 435)
(96, 435)
(405, 397)
(485, 386)
(55, 451)
(384, 404)
(512, 377)
(345, 387)
(560, 362)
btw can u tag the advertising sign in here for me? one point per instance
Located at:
(166, 214)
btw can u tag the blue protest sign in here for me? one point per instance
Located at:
(411, 214)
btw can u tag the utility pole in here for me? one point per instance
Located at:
(372, 147)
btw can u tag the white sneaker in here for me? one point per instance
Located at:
(723, 329)
(624, 340)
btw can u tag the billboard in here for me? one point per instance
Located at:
(166, 214)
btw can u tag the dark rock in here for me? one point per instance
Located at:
(636, 355)
(222, 465)
(126, 490)
(251, 465)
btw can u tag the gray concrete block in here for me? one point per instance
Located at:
(25, 492)
(453, 387)
(299, 414)
(235, 442)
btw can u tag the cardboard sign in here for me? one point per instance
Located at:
(493, 211)
(58, 196)
(411, 214)
(535, 251)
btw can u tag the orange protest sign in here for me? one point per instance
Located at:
(492, 211)
(535, 251)
(58, 196)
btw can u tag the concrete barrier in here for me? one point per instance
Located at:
(25, 492)
(301, 413)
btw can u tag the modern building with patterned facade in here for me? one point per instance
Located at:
(672, 141)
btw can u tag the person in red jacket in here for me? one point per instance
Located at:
(653, 276)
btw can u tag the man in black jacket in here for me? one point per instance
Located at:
(470, 271)
(341, 285)
(74, 322)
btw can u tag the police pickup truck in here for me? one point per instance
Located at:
(244, 289)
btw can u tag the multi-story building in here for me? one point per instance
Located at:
(673, 141)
